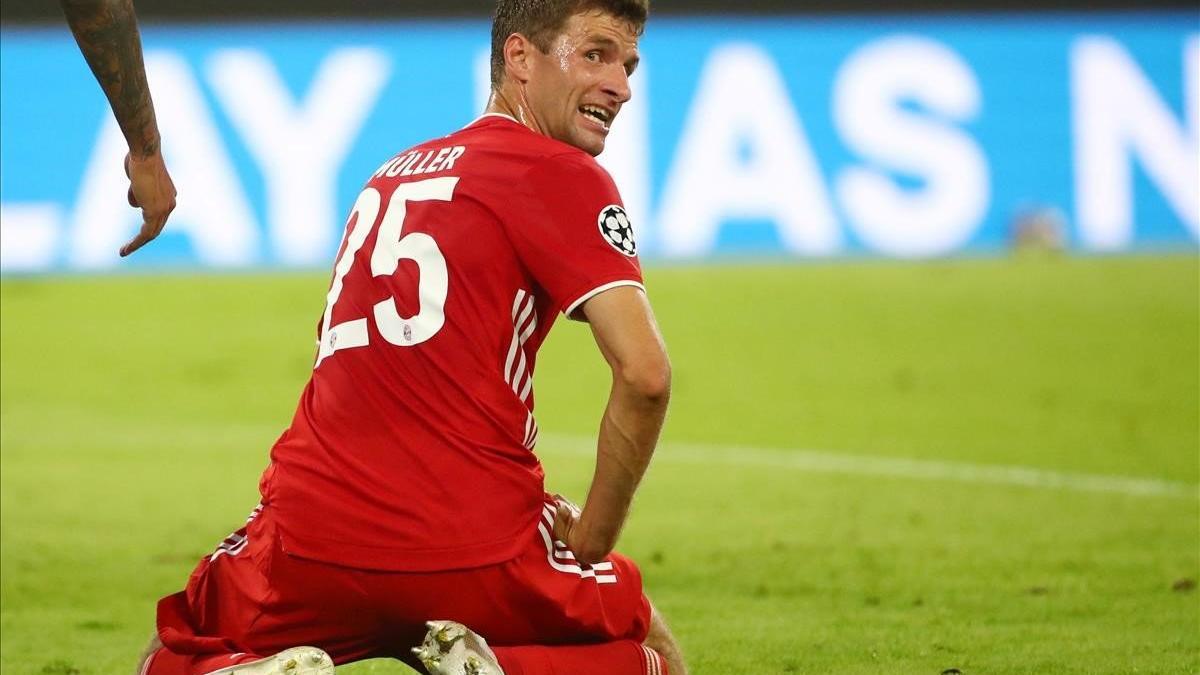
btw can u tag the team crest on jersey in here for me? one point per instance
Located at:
(617, 231)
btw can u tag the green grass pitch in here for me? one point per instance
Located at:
(983, 465)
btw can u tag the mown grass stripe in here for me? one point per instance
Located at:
(816, 461)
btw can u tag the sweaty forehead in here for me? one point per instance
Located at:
(600, 25)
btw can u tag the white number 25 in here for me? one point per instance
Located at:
(390, 249)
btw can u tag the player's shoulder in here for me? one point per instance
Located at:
(515, 142)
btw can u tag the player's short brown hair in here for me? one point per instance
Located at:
(541, 21)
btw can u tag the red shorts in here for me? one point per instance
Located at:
(252, 596)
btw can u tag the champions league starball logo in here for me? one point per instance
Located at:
(614, 225)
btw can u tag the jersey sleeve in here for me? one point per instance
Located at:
(571, 231)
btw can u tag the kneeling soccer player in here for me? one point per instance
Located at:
(404, 506)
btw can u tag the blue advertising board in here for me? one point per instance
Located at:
(800, 137)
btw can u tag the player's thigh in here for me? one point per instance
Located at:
(545, 596)
(252, 596)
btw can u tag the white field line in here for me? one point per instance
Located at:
(814, 461)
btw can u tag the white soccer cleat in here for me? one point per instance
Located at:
(294, 661)
(453, 649)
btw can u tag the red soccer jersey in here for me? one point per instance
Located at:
(412, 446)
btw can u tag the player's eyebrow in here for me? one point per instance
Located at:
(631, 64)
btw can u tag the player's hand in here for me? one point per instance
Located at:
(151, 189)
(566, 522)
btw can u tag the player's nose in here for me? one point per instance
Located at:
(616, 84)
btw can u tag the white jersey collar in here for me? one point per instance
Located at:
(491, 114)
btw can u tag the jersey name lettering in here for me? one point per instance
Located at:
(417, 162)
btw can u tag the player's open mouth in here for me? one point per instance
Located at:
(596, 115)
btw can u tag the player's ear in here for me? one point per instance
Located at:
(518, 57)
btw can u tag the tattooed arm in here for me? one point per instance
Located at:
(107, 33)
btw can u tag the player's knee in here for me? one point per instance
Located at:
(670, 654)
(660, 639)
(155, 645)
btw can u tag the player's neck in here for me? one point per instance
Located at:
(510, 104)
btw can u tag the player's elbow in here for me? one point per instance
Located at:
(649, 379)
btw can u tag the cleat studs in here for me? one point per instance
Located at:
(447, 636)
(431, 660)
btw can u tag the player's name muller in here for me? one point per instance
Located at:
(421, 161)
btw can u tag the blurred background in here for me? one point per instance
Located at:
(782, 129)
(927, 271)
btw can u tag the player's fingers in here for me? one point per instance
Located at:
(559, 499)
(134, 244)
(564, 522)
(150, 229)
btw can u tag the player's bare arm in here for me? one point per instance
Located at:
(107, 34)
(625, 331)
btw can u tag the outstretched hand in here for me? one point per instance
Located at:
(151, 189)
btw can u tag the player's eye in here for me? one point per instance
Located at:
(593, 55)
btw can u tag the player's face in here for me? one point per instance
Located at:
(577, 88)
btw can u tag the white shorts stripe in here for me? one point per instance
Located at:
(254, 514)
(233, 545)
(589, 573)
